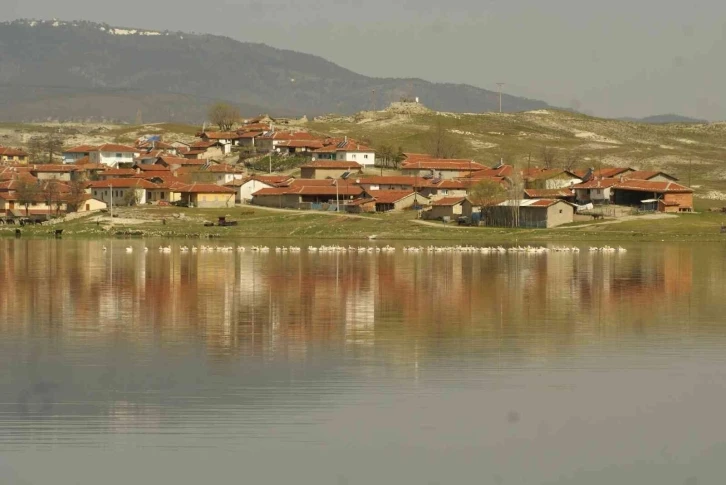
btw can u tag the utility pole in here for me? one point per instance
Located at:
(337, 198)
(500, 95)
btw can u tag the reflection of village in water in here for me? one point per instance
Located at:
(149, 341)
(282, 305)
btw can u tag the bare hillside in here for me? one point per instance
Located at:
(687, 150)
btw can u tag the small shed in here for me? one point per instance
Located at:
(531, 213)
(451, 207)
(394, 200)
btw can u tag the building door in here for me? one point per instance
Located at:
(88, 207)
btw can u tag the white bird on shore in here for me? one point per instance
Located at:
(129, 249)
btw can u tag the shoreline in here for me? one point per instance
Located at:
(261, 223)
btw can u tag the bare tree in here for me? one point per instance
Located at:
(44, 148)
(54, 146)
(27, 193)
(130, 198)
(389, 156)
(572, 160)
(51, 193)
(223, 115)
(441, 143)
(486, 194)
(76, 195)
(549, 157)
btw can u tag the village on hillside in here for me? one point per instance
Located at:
(222, 169)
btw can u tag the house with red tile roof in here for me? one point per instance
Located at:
(392, 182)
(249, 185)
(302, 194)
(270, 140)
(247, 139)
(219, 174)
(607, 172)
(115, 173)
(206, 195)
(113, 154)
(441, 168)
(595, 190)
(73, 154)
(529, 213)
(396, 200)
(47, 203)
(670, 196)
(652, 175)
(13, 155)
(566, 194)
(120, 191)
(52, 171)
(542, 178)
(15, 172)
(347, 150)
(438, 188)
(210, 149)
(298, 146)
(174, 163)
(500, 171)
(225, 137)
(322, 169)
(446, 207)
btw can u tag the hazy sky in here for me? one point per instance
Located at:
(614, 58)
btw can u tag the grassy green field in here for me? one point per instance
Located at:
(264, 223)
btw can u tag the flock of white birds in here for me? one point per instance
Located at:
(384, 249)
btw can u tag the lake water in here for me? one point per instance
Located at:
(369, 368)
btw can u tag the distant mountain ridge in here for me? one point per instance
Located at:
(89, 71)
(663, 119)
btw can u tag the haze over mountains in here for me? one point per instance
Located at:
(83, 70)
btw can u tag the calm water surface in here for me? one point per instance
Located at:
(120, 368)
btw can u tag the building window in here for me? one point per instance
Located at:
(118, 155)
(95, 193)
(365, 156)
(444, 191)
(161, 196)
(560, 211)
